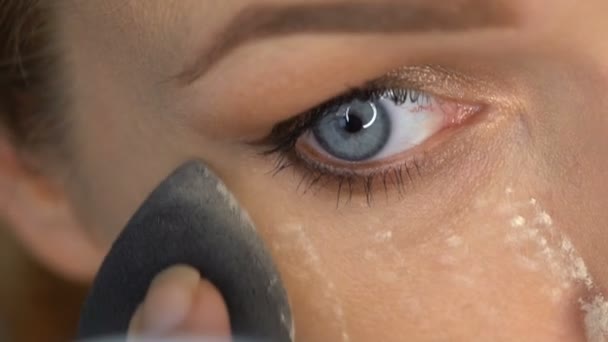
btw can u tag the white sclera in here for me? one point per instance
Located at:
(411, 124)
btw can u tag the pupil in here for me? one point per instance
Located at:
(352, 123)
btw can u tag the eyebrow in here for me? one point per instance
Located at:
(265, 21)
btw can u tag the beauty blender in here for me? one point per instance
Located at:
(191, 219)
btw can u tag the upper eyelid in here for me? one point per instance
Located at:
(255, 128)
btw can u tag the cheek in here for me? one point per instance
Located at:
(504, 270)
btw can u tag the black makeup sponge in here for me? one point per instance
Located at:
(190, 219)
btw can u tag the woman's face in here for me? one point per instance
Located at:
(457, 194)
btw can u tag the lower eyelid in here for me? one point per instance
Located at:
(401, 177)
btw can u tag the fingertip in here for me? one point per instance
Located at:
(209, 314)
(169, 300)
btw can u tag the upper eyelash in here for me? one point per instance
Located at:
(284, 137)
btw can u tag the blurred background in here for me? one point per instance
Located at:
(35, 306)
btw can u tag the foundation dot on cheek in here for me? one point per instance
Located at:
(545, 219)
(518, 221)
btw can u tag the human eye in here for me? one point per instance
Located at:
(377, 133)
(374, 125)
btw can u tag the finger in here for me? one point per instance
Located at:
(208, 314)
(168, 301)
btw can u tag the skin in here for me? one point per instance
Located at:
(356, 273)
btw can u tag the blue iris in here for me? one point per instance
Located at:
(357, 131)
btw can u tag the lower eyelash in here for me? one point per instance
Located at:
(315, 176)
